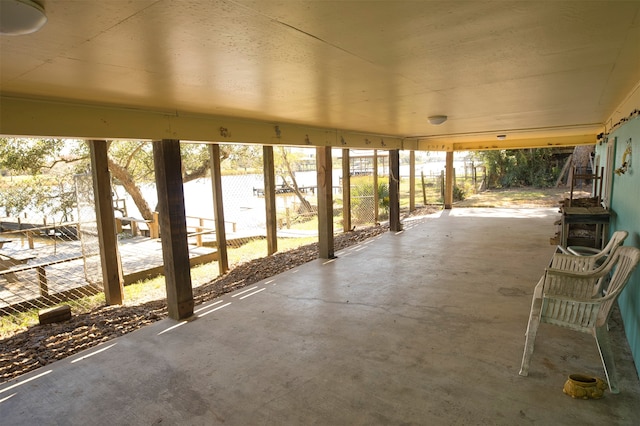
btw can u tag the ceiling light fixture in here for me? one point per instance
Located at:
(19, 17)
(436, 120)
(501, 137)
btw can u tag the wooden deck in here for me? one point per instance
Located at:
(65, 267)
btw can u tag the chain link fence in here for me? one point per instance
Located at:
(44, 263)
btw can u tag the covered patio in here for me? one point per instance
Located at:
(413, 327)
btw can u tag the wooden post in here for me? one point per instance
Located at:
(375, 186)
(448, 187)
(218, 207)
(109, 257)
(346, 191)
(412, 181)
(154, 231)
(270, 199)
(199, 234)
(474, 178)
(173, 227)
(42, 281)
(394, 191)
(424, 189)
(325, 203)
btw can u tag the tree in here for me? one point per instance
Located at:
(131, 164)
(47, 166)
(525, 167)
(284, 169)
(42, 173)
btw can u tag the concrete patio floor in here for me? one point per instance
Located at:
(421, 327)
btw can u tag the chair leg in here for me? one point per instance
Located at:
(532, 328)
(606, 355)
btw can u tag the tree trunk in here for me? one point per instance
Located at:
(582, 157)
(305, 206)
(125, 178)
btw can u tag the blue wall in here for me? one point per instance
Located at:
(625, 206)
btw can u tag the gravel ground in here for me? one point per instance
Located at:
(42, 344)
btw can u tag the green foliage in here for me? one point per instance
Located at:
(525, 167)
(41, 175)
(29, 156)
(48, 195)
(244, 158)
(459, 193)
(362, 198)
(383, 195)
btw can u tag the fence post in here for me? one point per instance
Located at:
(424, 190)
(153, 227)
(30, 239)
(474, 177)
(199, 232)
(288, 218)
(42, 281)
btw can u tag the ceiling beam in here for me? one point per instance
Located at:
(517, 143)
(22, 117)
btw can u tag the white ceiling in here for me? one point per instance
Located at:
(528, 69)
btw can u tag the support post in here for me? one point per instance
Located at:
(448, 187)
(412, 181)
(376, 201)
(216, 190)
(346, 191)
(109, 257)
(173, 228)
(394, 191)
(325, 203)
(270, 199)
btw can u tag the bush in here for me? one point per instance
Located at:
(524, 167)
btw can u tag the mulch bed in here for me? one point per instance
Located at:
(42, 344)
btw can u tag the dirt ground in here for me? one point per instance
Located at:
(42, 344)
(520, 197)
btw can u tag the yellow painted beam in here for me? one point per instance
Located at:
(23, 117)
(539, 142)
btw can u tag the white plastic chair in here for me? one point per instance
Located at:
(589, 258)
(568, 300)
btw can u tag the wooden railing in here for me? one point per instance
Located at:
(201, 229)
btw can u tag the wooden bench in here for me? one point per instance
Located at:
(149, 228)
(4, 241)
(8, 262)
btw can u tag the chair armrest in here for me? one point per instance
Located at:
(575, 299)
(594, 274)
(583, 251)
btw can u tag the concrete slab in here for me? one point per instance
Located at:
(421, 327)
